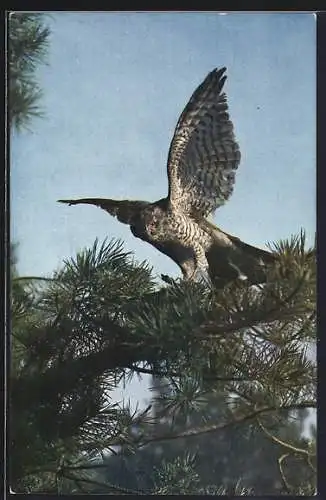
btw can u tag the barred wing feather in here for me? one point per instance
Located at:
(204, 154)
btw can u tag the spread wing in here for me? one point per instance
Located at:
(203, 155)
(125, 210)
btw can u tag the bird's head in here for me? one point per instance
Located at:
(154, 220)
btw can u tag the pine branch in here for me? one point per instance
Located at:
(102, 316)
(106, 485)
(31, 278)
(171, 373)
(292, 450)
(277, 440)
(282, 474)
(217, 427)
(215, 330)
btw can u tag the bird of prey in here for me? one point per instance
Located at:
(201, 166)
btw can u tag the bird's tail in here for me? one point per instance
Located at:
(238, 260)
(124, 210)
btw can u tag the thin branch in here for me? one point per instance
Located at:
(284, 302)
(211, 330)
(310, 462)
(86, 467)
(285, 482)
(258, 334)
(289, 446)
(39, 278)
(80, 486)
(176, 374)
(310, 318)
(217, 427)
(246, 397)
(264, 316)
(107, 485)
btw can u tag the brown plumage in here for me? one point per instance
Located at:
(202, 161)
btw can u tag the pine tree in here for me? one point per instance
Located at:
(238, 459)
(28, 40)
(102, 317)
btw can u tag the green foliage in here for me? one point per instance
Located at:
(176, 477)
(28, 40)
(233, 361)
(218, 458)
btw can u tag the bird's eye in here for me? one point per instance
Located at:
(152, 225)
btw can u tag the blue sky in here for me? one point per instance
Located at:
(113, 90)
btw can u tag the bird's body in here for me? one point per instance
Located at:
(202, 161)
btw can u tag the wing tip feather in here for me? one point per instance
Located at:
(68, 202)
(216, 76)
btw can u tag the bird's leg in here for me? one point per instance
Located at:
(188, 268)
(201, 270)
(200, 256)
(203, 277)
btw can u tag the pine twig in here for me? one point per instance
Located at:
(295, 450)
(217, 427)
(265, 316)
(284, 480)
(108, 486)
(277, 440)
(37, 278)
(176, 374)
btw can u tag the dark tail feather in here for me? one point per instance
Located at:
(258, 253)
(229, 264)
